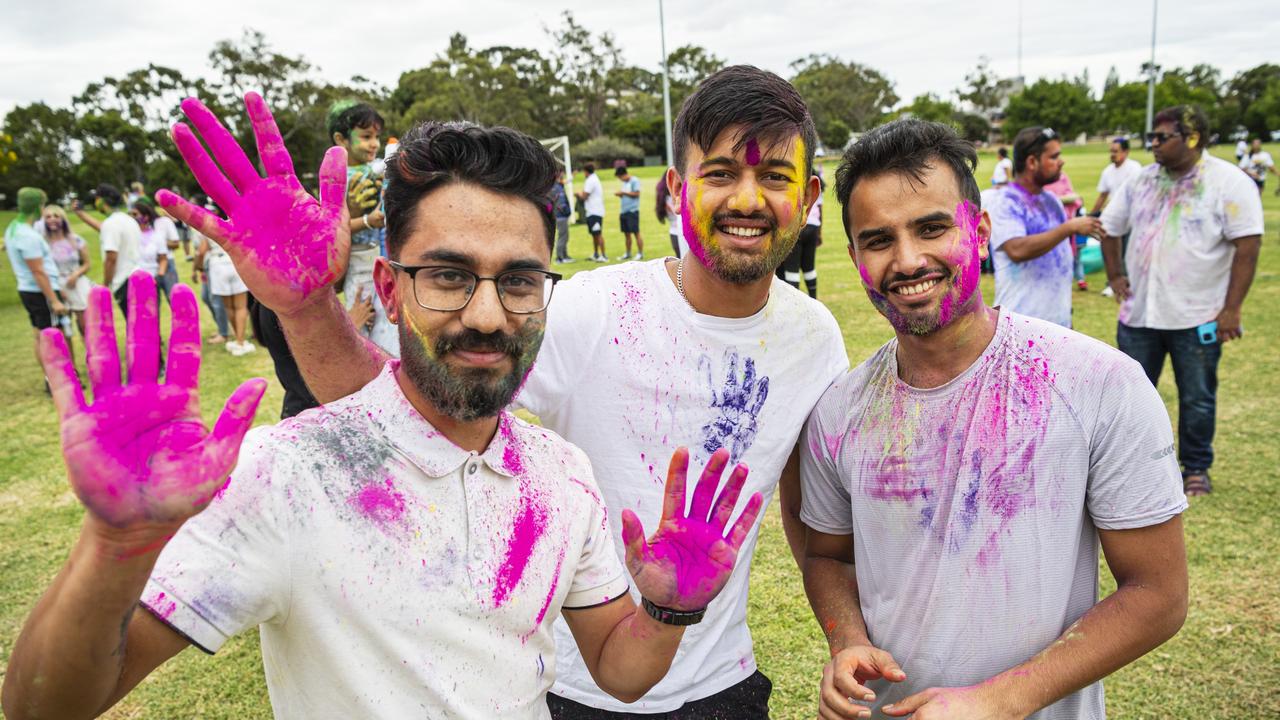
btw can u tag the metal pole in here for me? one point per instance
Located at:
(1019, 39)
(1151, 67)
(666, 86)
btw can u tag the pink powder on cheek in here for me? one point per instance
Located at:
(753, 152)
(691, 235)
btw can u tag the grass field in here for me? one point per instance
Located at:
(1224, 663)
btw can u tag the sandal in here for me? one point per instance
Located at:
(1196, 484)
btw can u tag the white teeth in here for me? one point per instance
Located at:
(742, 231)
(915, 289)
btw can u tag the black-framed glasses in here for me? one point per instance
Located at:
(445, 288)
(1159, 138)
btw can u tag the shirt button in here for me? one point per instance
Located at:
(471, 469)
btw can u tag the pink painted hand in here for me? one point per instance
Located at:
(139, 457)
(687, 561)
(286, 246)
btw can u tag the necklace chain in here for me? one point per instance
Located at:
(680, 281)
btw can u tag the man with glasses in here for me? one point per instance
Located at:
(1195, 229)
(1031, 235)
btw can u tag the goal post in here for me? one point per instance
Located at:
(559, 148)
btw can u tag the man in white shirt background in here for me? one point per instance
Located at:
(1003, 171)
(1257, 163)
(592, 196)
(1195, 229)
(1121, 169)
(121, 240)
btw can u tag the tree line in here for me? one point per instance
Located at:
(117, 129)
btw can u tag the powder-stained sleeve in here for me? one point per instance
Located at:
(228, 569)
(1243, 209)
(1007, 220)
(1134, 479)
(600, 576)
(575, 321)
(826, 505)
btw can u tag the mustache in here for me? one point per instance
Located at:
(474, 341)
(902, 277)
(756, 216)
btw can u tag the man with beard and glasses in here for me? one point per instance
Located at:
(1031, 237)
(639, 358)
(958, 482)
(404, 551)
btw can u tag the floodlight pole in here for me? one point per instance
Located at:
(1019, 39)
(666, 85)
(1151, 67)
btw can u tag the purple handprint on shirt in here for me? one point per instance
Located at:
(738, 402)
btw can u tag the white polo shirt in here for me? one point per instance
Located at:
(393, 574)
(1180, 249)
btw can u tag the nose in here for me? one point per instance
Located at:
(908, 256)
(484, 313)
(747, 196)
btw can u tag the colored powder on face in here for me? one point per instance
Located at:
(698, 236)
(753, 152)
(382, 504)
(880, 301)
(530, 523)
(967, 262)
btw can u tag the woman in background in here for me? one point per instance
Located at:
(72, 257)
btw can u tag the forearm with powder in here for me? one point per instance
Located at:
(334, 359)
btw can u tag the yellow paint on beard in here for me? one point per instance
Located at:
(428, 346)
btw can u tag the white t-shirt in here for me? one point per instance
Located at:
(629, 372)
(168, 230)
(150, 249)
(1257, 165)
(815, 213)
(391, 573)
(593, 204)
(120, 234)
(974, 506)
(1001, 172)
(1180, 233)
(1039, 287)
(1113, 178)
(1242, 148)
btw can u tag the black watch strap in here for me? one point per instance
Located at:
(668, 616)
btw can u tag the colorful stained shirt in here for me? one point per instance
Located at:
(1039, 287)
(1180, 240)
(391, 573)
(629, 372)
(974, 507)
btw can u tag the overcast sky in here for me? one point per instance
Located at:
(50, 50)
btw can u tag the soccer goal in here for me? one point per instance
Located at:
(559, 148)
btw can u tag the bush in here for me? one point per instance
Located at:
(605, 150)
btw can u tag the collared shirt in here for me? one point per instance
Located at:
(1180, 240)
(393, 574)
(1113, 178)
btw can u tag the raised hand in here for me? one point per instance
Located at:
(285, 245)
(687, 561)
(139, 457)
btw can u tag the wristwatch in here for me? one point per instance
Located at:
(668, 616)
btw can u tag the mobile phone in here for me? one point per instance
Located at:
(1208, 332)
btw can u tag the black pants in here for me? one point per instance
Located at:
(748, 700)
(803, 258)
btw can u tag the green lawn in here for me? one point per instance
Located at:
(1223, 663)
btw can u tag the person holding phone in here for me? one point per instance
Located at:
(1195, 228)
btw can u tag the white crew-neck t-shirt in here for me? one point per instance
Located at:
(628, 372)
(974, 506)
(1113, 178)
(593, 204)
(120, 234)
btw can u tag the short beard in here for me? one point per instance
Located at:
(467, 394)
(740, 268)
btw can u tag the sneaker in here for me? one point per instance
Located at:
(247, 347)
(639, 256)
(626, 256)
(567, 260)
(601, 259)
(1108, 292)
(233, 347)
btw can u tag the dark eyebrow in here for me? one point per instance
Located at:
(872, 232)
(779, 162)
(717, 160)
(525, 264)
(448, 256)
(933, 217)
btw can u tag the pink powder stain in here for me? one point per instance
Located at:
(969, 264)
(510, 447)
(691, 235)
(546, 603)
(382, 504)
(753, 152)
(162, 606)
(529, 526)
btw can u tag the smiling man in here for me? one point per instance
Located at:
(957, 483)
(642, 357)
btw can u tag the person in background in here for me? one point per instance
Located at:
(153, 251)
(1257, 163)
(667, 210)
(1119, 171)
(1003, 171)
(71, 255)
(803, 257)
(1181, 285)
(120, 239)
(1071, 205)
(200, 274)
(226, 285)
(1242, 149)
(629, 210)
(563, 210)
(33, 264)
(592, 197)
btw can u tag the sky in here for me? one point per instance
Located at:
(51, 50)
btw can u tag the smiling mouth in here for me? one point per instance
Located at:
(916, 288)
(742, 231)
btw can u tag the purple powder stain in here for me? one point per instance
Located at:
(529, 525)
(381, 503)
(753, 152)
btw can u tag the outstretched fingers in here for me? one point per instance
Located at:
(205, 222)
(102, 354)
(333, 180)
(728, 499)
(705, 491)
(207, 173)
(223, 145)
(60, 371)
(220, 449)
(673, 496)
(637, 548)
(142, 329)
(271, 149)
(746, 521)
(183, 368)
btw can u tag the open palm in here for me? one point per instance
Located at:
(140, 454)
(284, 243)
(687, 561)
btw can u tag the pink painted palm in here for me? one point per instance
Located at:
(687, 561)
(139, 457)
(285, 244)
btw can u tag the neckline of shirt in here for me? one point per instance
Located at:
(1004, 327)
(671, 296)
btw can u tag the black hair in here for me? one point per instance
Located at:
(1028, 142)
(343, 118)
(144, 207)
(620, 170)
(1123, 142)
(1189, 119)
(436, 154)
(1003, 152)
(660, 199)
(589, 168)
(109, 195)
(768, 107)
(906, 147)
